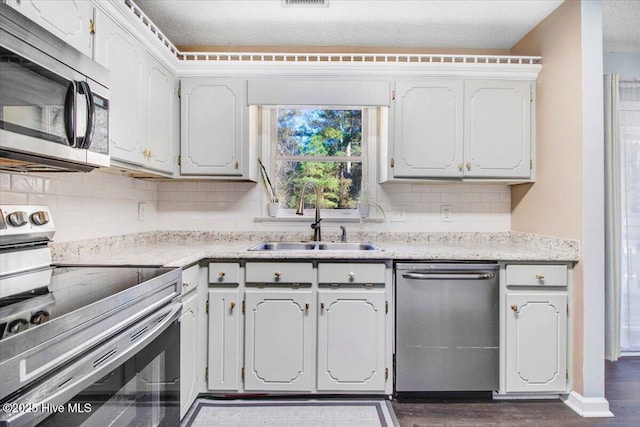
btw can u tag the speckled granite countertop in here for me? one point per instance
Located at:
(182, 248)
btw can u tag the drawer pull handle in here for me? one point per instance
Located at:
(185, 285)
(540, 276)
(306, 307)
(514, 307)
(221, 275)
(277, 274)
(233, 305)
(351, 275)
(321, 306)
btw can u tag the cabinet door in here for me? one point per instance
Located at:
(214, 127)
(279, 340)
(119, 52)
(497, 137)
(225, 340)
(161, 112)
(188, 352)
(70, 20)
(427, 129)
(351, 340)
(536, 342)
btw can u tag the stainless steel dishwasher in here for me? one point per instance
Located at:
(447, 331)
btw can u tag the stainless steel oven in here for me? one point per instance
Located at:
(54, 101)
(89, 345)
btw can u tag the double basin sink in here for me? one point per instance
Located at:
(314, 246)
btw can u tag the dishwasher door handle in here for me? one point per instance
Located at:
(435, 275)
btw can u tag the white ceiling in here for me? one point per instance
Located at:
(483, 24)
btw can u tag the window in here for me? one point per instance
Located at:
(630, 209)
(321, 145)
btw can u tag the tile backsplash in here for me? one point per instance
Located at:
(100, 204)
(85, 205)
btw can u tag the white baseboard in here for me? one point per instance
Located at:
(588, 407)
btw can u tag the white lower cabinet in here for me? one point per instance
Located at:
(535, 313)
(279, 340)
(536, 334)
(189, 349)
(192, 335)
(274, 328)
(351, 340)
(225, 339)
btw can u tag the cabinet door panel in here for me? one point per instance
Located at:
(67, 19)
(225, 351)
(351, 340)
(124, 57)
(427, 132)
(279, 340)
(161, 108)
(213, 121)
(536, 337)
(188, 352)
(497, 129)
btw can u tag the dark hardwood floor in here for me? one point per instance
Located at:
(622, 390)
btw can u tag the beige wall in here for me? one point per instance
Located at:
(554, 204)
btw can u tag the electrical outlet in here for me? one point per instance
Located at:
(445, 213)
(141, 211)
(398, 213)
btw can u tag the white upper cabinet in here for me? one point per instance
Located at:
(161, 138)
(461, 129)
(70, 20)
(124, 57)
(427, 129)
(215, 127)
(497, 133)
(143, 120)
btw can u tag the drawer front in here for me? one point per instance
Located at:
(190, 279)
(537, 275)
(279, 272)
(351, 273)
(224, 273)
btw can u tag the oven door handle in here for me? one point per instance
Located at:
(57, 389)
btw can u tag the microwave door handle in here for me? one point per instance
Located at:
(69, 113)
(85, 142)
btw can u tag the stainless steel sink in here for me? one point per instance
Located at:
(330, 246)
(284, 246)
(314, 246)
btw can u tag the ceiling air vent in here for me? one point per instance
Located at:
(287, 3)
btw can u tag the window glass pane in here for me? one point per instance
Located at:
(314, 137)
(630, 182)
(317, 132)
(340, 183)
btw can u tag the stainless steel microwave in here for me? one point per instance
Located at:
(54, 101)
